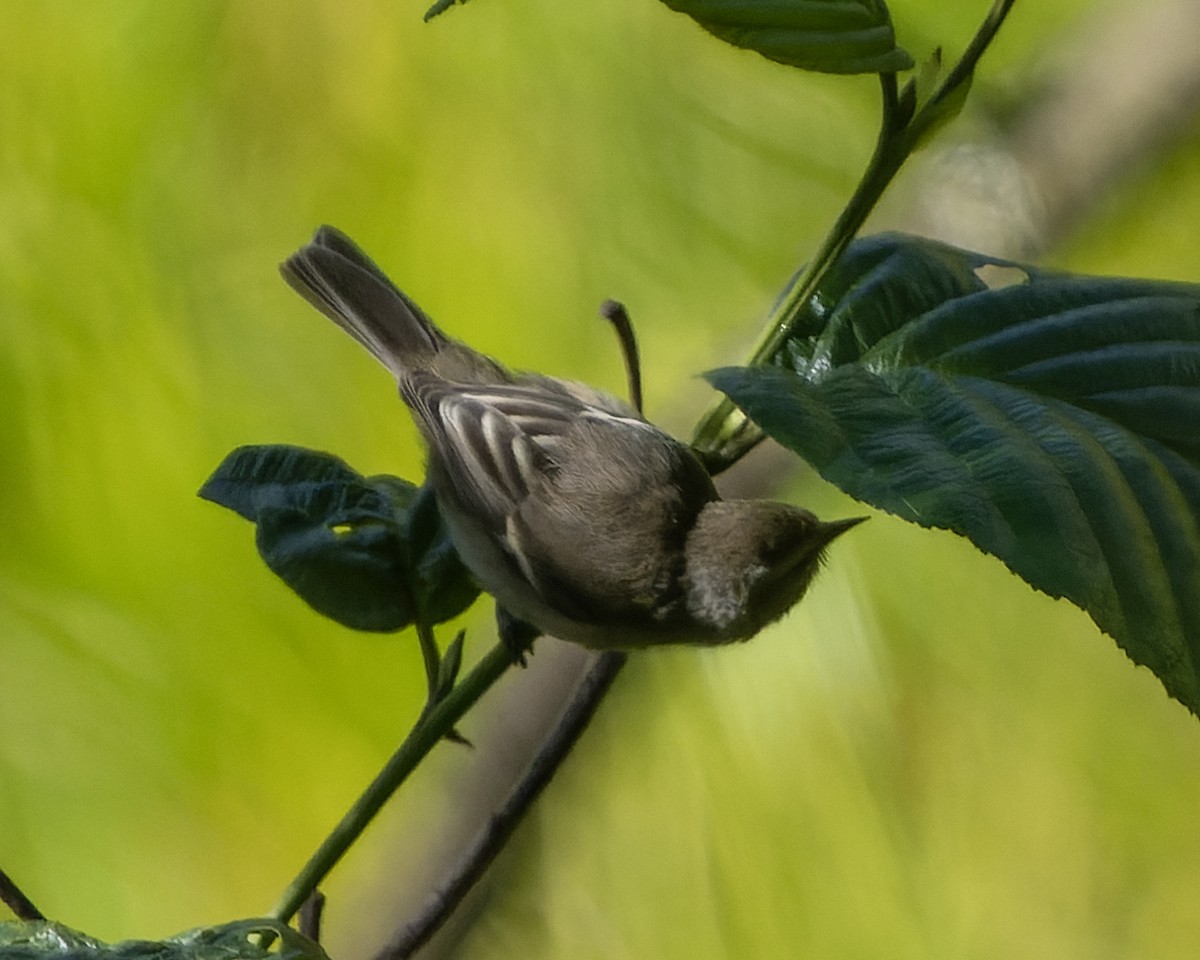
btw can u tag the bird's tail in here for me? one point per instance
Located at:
(346, 285)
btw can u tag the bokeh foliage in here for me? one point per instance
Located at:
(927, 760)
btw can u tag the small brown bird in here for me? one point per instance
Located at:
(576, 514)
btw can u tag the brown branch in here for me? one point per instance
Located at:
(495, 834)
(14, 898)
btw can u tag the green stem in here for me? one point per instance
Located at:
(962, 71)
(881, 168)
(724, 434)
(421, 739)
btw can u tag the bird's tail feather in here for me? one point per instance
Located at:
(341, 281)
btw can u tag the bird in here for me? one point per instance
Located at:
(581, 518)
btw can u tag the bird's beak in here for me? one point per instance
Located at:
(828, 532)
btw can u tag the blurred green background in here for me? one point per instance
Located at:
(926, 760)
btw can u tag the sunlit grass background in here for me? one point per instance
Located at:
(927, 760)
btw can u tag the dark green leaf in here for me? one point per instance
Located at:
(275, 475)
(1052, 419)
(373, 554)
(441, 587)
(348, 567)
(240, 940)
(829, 36)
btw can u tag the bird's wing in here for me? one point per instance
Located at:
(498, 442)
(587, 502)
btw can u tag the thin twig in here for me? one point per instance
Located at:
(492, 838)
(615, 313)
(14, 898)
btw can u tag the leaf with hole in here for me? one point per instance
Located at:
(1051, 418)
